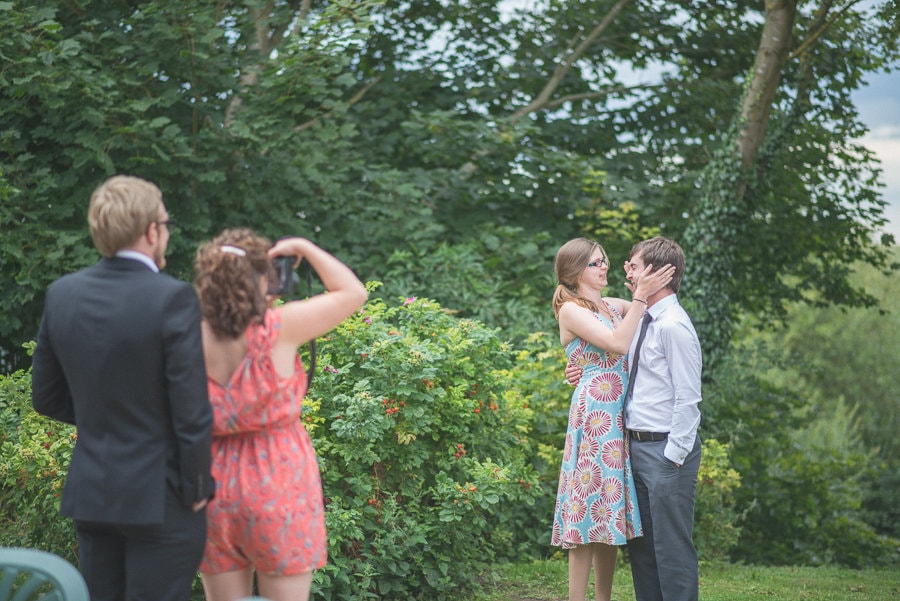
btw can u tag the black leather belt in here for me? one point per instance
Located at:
(648, 436)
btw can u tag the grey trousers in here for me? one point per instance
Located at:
(664, 560)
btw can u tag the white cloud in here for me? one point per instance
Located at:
(884, 141)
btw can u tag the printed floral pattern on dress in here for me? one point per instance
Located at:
(268, 509)
(595, 496)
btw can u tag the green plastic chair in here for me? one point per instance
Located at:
(33, 575)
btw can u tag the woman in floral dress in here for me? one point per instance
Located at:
(596, 508)
(267, 518)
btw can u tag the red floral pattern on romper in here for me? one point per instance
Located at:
(268, 510)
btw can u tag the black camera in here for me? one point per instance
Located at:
(282, 278)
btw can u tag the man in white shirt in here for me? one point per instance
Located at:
(662, 415)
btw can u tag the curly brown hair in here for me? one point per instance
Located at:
(227, 270)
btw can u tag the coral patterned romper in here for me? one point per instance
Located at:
(596, 499)
(268, 509)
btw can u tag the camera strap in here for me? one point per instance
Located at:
(312, 343)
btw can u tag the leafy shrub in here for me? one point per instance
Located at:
(539, 377)
(717, 519)
(424, 448)
(34, 458)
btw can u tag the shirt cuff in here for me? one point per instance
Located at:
(674, 453)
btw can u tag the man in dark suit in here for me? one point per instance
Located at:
(119, 355)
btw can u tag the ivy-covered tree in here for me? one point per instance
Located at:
(790, 198)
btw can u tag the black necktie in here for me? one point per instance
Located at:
(637, 355)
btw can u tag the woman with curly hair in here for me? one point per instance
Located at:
(268, 513)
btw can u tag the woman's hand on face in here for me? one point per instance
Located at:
(650, 282)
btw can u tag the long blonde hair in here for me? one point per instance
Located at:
(572, 259)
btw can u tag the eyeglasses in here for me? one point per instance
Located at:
(599, 263)
(169, 223)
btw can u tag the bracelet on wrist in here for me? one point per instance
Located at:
(640, 300)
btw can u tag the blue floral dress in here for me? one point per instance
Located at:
(596, 501)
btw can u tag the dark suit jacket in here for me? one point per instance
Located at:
(119, 355)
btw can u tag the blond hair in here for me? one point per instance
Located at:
(572, 259)
(227, 270)
(121, 210)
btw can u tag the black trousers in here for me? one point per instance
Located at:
(155, 562)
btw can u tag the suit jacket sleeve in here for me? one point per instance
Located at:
(50, 393)
(188, 398)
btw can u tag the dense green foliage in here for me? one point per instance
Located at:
(452, 147)
(34, 459)
(718, 523)
(846, 362)
(802, 488)
(424, 450)
(448, 149)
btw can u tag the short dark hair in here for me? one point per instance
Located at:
(661, 251)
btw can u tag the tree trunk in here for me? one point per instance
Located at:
(774, 49)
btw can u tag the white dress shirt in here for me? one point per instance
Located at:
(666, 394)
(138, 256)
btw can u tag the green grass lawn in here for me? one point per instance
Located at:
(547, 581)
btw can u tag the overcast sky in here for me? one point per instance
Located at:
(879, 107)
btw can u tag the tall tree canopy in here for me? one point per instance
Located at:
(448, 148)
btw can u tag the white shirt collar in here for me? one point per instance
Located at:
(662, 304)
(138, 256)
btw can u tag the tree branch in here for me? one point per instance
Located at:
(356, 98)
(774, 47)
(553, 104)
(822, 25)
(305, 7)
(572, 56)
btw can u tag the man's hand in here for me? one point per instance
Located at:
(573, 374)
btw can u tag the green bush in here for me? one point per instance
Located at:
(539, 377)
(34, 457)
(716, 517)
(424, 449)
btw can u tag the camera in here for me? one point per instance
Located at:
(282, 278)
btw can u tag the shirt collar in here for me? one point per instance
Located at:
(138, 256)
(661, 305)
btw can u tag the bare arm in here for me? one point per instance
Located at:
(303, 320)
(575, 320)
